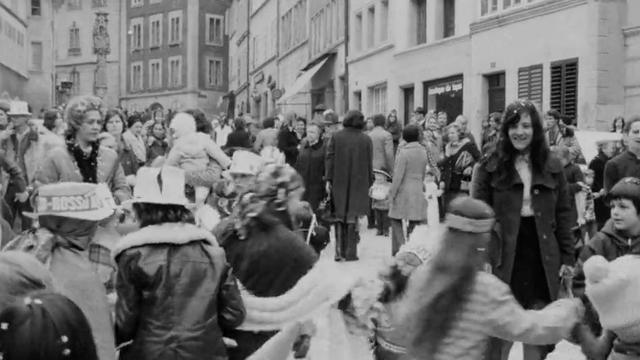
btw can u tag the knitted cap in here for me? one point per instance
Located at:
(613, 287)
(627, 188)
(470, 215)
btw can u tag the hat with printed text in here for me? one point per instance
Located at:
(83, 201)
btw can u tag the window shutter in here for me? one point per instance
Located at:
(530, 83)
(564, 87)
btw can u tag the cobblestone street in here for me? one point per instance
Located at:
(374, 252)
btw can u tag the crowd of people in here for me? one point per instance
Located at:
(136, 236)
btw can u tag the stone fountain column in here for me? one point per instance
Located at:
(102, 48)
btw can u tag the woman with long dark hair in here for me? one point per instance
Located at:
(451, 307)
(526, 186)
(53, 322)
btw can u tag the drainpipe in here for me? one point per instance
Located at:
(346, 55)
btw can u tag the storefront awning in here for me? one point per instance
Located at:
(301, 81)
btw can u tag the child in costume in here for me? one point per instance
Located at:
(192, 151)
(380, 204)
(431, 194)
(451, 307)
(585, 203)
(388, 341)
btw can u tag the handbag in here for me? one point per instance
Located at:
(379, 190)
(325, 210)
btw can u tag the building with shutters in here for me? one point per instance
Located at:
(175, 55)
(289, 56)
(14, 70)
(40, 89)
(578, 56)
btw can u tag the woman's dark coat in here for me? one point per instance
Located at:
(175, 292)
(310, 165)
(349, 169)
(552, 210)
(602, 211)
(288, 143)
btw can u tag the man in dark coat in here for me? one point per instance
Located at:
(606, 150)
(627, 163)
(349, 175)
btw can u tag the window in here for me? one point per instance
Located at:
(175, 27)
(378, 99)
(36, 8)
(74, 4)
(155, 74)
(215, 75)
(496, 92)
(384, 20)
(564, 87)
(36, 55)
(74, 77)
(136, 76)
(530, 83)
(357, 41)
(238, 70)
(137, 3)
(155, 30)
(449, 17)
(175, 71)
(488, 7)
(99, 3)
(371, 26)
(214, 30)
(74, 40)
(421, 21)
(136, 33)
(155, 1)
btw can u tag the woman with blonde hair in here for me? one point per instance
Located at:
(83, 159)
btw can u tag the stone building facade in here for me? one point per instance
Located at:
(472, 59)
(175, 55)
(78, 27)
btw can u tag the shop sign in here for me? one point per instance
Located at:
(446, 87)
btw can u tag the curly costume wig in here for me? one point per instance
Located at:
(77, 110)
(274, 186)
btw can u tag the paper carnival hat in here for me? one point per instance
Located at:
(84, 201)
(18, 108)
(165, 185)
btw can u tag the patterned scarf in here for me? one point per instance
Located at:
(86, 163)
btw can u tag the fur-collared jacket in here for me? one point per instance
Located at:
(175, 294)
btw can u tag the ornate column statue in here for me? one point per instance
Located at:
(102, 48)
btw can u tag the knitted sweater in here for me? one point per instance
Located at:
(492, 311)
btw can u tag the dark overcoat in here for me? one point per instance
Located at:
(551, 205)
(310, 165)
(350, 171)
